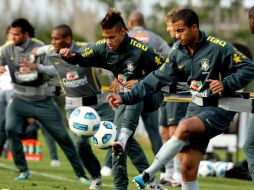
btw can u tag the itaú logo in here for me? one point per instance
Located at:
(196, 85)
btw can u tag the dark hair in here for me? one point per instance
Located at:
(24, 25)
(138, 17)
(188, 16)
(251, 12)
(113, 19)
(66, 30)
(170, 14)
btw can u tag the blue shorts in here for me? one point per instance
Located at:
(216, 121)
(172, 112)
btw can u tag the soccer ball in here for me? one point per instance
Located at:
(105, 136)
(206, 168)
(222, 167)
(84, 121)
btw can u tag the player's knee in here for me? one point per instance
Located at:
(183, 130)
(188, 172)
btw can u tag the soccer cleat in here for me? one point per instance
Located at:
(84, 180)
(155, 186)
(106, 171)
(23, 176)
(170, 182)
(117, 149)
(141, 180)
(96, 184)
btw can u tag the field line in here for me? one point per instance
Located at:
(52, 176)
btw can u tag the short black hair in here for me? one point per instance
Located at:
(113, 19)
(24, 25)
(188, 16)
(66, 30)
(251, 12)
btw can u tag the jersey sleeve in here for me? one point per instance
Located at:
(237, 69)
(166, 75)
(90, 56)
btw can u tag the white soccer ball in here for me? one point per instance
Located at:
(206, 168)
(84, 121)
(105, 136)
(222, 167)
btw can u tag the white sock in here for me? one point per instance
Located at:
(124, 136)
(167, 152)
(177, 169)
(192, 185)
(169, 169)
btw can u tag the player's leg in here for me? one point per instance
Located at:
(49, 115)
(173, 146)
(249, 146)
(106, 114)
(190, 159)
(151, 123)
(3, 136)
(16, 113)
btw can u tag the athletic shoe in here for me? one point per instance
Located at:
(55, 163)
(84, 180)
(106, 171)
(166, 182)
(23, 176)
(96, 184)
(170, 182)
(117, 149)
(155, 186)
(141, 180)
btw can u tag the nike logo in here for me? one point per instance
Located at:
(109, 63)
(180, 67)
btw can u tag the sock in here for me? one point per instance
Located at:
(177, 169)
(169, 169)
(124, 136)
(192, 185)
(166, 153)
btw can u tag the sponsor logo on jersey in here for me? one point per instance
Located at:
(196, 85)
(141, 37)
(121, 78)
(138, 45)
(72, 75)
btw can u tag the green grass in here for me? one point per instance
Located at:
(41, 182)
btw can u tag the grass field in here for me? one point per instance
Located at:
(45, 177)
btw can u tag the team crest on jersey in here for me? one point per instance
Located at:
(72, 75)
(130, 66)
(205, 64)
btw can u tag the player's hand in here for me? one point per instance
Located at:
(129, 84)
(66, 52)
(216, 86)
(25, 70)
(25, 63)
(115, 86)
(117, 149)
(2, 69)
(114, 100)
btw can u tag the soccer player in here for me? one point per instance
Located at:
(32, 98)
(213, 68)
(82, 88)
(249, 142)
(129, 60)
(171, 114)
